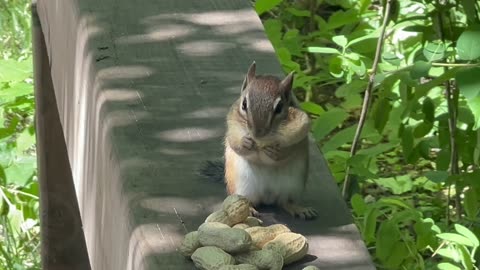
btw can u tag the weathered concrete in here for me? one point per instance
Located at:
(142, 90)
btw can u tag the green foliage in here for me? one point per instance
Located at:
(15, 35)
(408, 173)
(19, 213)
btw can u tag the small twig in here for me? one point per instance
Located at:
(367, 98)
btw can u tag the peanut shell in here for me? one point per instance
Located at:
(220, 235)
(292, 246)
(263, 259)
(239, 267)
(237, 208)
(211, 258)
(261, 235)
(311, 267)
(189, 244)
(219, 216)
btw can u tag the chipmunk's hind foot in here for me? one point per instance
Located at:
(299, 211)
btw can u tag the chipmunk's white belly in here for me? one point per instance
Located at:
(270, 184)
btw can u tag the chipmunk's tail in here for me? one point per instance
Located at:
(213, 170)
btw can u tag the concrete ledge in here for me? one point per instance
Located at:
(142, 90)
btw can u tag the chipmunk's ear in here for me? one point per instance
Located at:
(250, 75)
(286, 85)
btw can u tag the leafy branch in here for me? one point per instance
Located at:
(367, 98)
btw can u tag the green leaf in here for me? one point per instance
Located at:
(370, 225)
(398, 254)
(434, 51)
(262, 6)
(291, 41)
(360, 166)
(298, 12)
(407, 141)
(456, 238)
(328, 121)
(356, 66)
(340, 40)
(471, 203)
(352, 88)
(447, 266)
(336, 66)
(21, 172)
(467, 233)
(11, 70)
(422, 129)
(428, 109)
(391, 58)
(466, 259)
(359, 206)
(397, 185)
(425, 234)
(468, 44)
(470, 10)
(286, 59)
(420, 69)
(387, 236)
(373, 35)
(449, 253)
(442, 161)
(394, 202)
(468, 81)
(312, 108)
(273, 29)
(346, 136)
(381, 113)
(341, 18)
(437, 176)
(422, 89)
(25, 141)
(377, 149)
(324, 50)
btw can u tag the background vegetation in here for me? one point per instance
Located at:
(19, 223)
(402, 129)
(414, 177)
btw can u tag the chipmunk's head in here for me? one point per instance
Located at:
(265, 101)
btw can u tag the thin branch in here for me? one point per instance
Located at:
(452, 102)
(367, 98)
(452, 105)
(455, 65)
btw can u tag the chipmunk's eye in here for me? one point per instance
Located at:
(279, 107)
(244, 104)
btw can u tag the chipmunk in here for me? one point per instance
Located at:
(266, 145)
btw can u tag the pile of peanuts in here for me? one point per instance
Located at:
(231, 239)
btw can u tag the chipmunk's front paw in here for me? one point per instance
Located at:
(272, 151)
(300, 211)
(248, 143)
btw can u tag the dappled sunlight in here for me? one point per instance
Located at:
(167, 32)
(180, 206)
(207, 113)
(175, 151)
(204, 48)
(189, 134)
